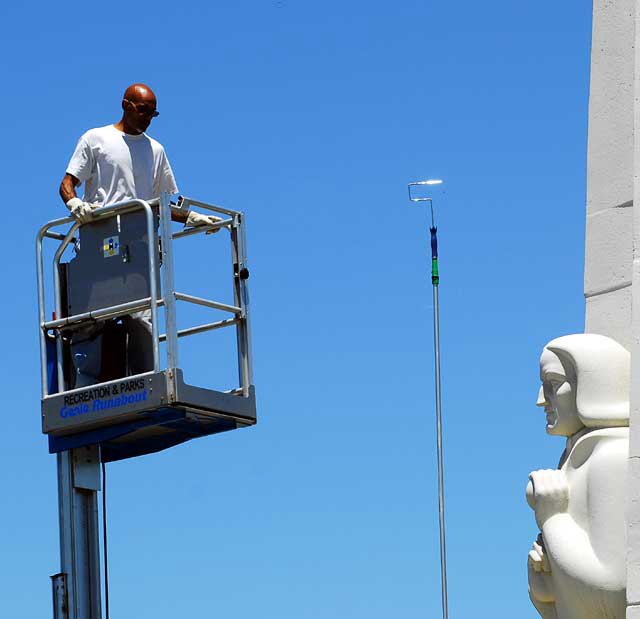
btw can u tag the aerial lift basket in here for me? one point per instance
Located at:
(123, 267)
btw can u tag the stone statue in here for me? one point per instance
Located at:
(577, 564)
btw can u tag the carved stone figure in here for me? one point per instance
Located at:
(577, 564)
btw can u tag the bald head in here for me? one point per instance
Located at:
(139, 93)
(138, 107)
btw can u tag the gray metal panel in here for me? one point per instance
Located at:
(215, 401)
(104, 404)
(86, 468)
(97, 279)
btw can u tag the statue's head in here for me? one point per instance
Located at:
(585, 383)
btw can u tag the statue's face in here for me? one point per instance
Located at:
(558, 397)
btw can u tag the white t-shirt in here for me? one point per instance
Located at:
(125, 166)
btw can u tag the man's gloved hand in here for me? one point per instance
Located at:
(198, 219)
(80, 210)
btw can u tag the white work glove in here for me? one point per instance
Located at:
(198, 219)
(80, 210)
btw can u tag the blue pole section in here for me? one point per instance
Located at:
(435, 276)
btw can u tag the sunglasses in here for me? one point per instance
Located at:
(144, 109)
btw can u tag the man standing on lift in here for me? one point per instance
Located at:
(120, 162)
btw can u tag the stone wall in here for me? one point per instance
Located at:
(610, 178)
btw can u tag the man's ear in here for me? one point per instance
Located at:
(125, 105)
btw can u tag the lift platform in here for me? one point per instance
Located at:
(124, 266)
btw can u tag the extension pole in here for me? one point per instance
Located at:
(435, 281)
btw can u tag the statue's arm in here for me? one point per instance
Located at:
(567, 544)
(570, 549)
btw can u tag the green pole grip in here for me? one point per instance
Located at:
(435, 277)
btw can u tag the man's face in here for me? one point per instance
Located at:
(139, 110)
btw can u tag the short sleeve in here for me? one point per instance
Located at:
(81, 163)
(165, 181)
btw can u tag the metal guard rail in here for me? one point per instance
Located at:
(234, 224)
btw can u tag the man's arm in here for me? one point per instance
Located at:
(79, 209)
(192, 218)
(178, 215)
(68, 187)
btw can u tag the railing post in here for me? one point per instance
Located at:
(168, 282)
(239, 299)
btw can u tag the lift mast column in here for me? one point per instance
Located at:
(76, 589)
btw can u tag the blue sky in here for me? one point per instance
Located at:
(312, 118)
